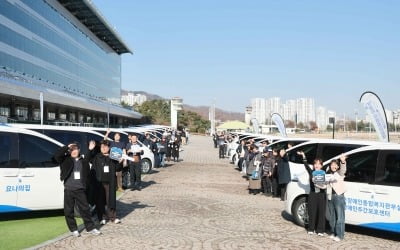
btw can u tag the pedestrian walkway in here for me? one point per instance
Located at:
(202, 203)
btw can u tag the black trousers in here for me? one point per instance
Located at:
(283, 190)
(240, 163)
(316, 212)
(267, 184)
(221, 151)
(102, 200)
(275, 187)
(136, 173)
(77, 198)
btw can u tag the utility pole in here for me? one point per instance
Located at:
(356, 113)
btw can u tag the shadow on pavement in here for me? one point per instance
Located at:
(124, 209)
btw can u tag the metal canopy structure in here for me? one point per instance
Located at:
(89, 16)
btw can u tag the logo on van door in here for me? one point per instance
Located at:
(18, 188)
(383, 209)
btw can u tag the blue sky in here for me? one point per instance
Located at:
(233, 50)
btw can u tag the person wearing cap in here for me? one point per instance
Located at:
(75, 175)
(267, 163)
(106, 169)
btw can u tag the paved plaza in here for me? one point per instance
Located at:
(202, 203)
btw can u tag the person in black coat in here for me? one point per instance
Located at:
(74, 172)
(284, 176)
(106, 169)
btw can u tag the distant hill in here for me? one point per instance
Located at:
(220, 114)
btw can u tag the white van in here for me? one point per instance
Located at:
(373, 189)
(324, 149)
(29, 176)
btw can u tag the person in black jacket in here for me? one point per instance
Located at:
(134, 149)
(105, 169)
(316, 199)
(284, 176)
(75, 175)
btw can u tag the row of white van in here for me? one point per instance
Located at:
(30, 178)
(372, 178)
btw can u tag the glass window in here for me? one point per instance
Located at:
(8, 150)
(65, 137)
(361, 167)
(390, 173)
(36, 152)
(310, 150)
(331, 150)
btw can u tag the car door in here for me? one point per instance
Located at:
(9, 172)
(39, 185)
(360, 194)
(387, 192)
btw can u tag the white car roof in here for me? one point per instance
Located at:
(11, 129)
(335, 141)
(53, 127)
(378, 146)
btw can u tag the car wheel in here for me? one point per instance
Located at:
(300, 211)
(146, 166)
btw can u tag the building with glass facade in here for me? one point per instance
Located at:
(67, 51)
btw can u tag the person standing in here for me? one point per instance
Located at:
(316, 199)
(336, 200)
(175, 150)
(121, 145)
(106, 169)
(75, 173)
(134, 150)
(268, 163)
(275, 177)
(284, 176)
(241, 152)
(221, 143)
(254, 170)
(215, 140)
(162, 150)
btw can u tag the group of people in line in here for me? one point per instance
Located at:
(267, 169)
(91, 180)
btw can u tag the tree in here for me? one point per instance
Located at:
(159, 112)
(313, 126)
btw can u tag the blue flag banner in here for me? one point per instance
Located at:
(376, 113)
(277, 119)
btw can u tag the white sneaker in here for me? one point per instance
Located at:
(95, 232)
(117, 221)
(332, 236)
(103, 222)
(321, 234)
(76, 234)
(311, 233)
(337, 239)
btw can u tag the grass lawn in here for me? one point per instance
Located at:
(21, 233)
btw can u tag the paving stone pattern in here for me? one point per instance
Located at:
(202, 202)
